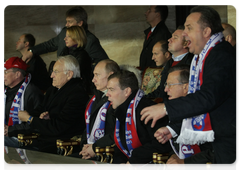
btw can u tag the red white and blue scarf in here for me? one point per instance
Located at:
(18, 104)
(197, 130)
(98, 130)
(131, 135)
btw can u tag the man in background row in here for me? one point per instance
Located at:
(37, 66)
(155, 17)
(75, 16)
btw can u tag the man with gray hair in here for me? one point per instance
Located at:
(19, 94)
(61, 114)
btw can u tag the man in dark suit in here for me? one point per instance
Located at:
(180, 55)
(19, 94)
(61, 114)
(74, 16)
(214, 66)
(177, 86)
(155, 16)
(135, 142)
(100, 121)
(37, 66)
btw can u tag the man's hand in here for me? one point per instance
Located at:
(163, 135)
(154, 112)
(44, 115)
(5, 130)
(23, 116)
(87, 152)
(27, 57)
(174, 159)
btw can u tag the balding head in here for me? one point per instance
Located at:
(102, 71)
(229, 33)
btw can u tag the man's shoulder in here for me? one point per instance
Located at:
(145, 102)
(91, 36)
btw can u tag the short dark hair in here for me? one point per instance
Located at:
(164, 45)
(111, 66)
(126, 79)
(209, 18)
(181, 27)
(184, 74)
(79, 14)
(23, 72)
(163, 10)
(29, 38)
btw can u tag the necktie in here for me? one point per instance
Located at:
(150, 32)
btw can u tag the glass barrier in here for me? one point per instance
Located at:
(21, 159)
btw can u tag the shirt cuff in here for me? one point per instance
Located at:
(173, 133)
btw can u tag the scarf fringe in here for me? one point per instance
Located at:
(189, 137)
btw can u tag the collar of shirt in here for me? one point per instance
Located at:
(104, 93)
(178, 58)
(152, 29)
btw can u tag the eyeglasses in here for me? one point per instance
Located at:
(169, 85)
(7, 71)
(56, 72)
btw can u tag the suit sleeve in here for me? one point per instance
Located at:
(219, 83)
(48, 46)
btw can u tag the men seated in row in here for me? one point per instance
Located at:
(20, 94)
(135, 142)
(180, 55)
(177, 86)
(61, 114)
(229, 34)
(99, 118)
(75, 16)
(37, 66)
(211, 92)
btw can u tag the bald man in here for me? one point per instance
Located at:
(230, 35)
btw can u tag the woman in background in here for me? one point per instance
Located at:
(75, 41)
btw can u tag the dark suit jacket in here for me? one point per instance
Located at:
(159, 92)
(85, 63)
(218, 97)
(39, 73)
(161, 32)
(142, 154)
(107, 140)
(93, 46)
(66, 108)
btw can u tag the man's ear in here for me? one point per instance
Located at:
(127, 91)
(69, 74)
(228, 38)
(80, 23)
(110, 73)
(26, 44)
(207, 32)
(185, 88)
(168, 55)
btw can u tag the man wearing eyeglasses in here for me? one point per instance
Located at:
(61, 114)
(19, 94)
(177, 86)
